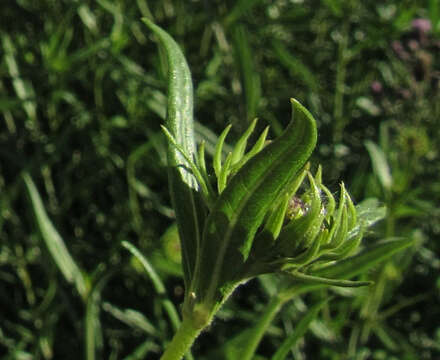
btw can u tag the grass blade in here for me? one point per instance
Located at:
(157, 283)
(299, 331)
(55, 244)
(250, 76)
(380, 165)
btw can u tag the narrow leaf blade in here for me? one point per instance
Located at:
(299, 331)
(363, 261)
(380, 164)
(157, 283)
(55, 244)
(183, 186)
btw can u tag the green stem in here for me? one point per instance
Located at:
(182, 340)
(260, 328)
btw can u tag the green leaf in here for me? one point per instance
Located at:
(202, 163)
(276, 219)
(434, 15)
(23, 88)
(337, 234)
(342, 231)
(155, 279)
(217, 162)
(331, 202)
(347, 247)
(141, 351)
(93, 330)
(365, 260)
(296, 182)
(157, 283)
(276, 216)
(370, 211)
(240, 8)
(189, 210)
(240, 146)
(194, 168)
(250, 76)
(132, 318)
(211, 139)
(301, 232)
(258, 146)
(241, 208)
(343, 269)
(380, 165)
(311, 252)
(55, 244)
(335, 6)
(223, 176)
(299, 331)
(352, 213)
(296, 67)
(310, 279)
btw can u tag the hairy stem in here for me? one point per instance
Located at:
(182, 340)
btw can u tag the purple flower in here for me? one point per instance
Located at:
(376, 87)
(421, 25)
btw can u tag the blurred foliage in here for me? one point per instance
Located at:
(82, 95)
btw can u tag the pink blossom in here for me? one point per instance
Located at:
(421, 25)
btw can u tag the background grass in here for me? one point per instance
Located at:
(82, 95)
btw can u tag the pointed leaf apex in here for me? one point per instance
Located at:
(318, 175)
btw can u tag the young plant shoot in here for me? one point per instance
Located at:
(264, 213)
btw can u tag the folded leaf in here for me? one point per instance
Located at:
(183, 186)
(240, 210)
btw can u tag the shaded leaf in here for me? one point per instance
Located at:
(380, 165)
(157, 283)
(299, 331)
(55, 244)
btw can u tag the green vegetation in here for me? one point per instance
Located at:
(92, 263)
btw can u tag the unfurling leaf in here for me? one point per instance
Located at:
(233, 222)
